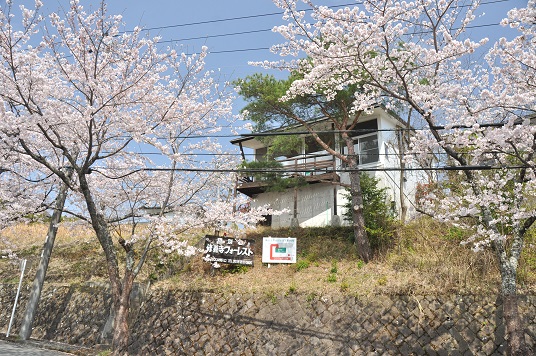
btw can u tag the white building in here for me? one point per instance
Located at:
(321, 202)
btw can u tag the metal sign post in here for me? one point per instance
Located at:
(22, 267)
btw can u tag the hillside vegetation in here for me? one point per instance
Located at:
(423, 257)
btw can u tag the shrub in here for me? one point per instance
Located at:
(379, 218)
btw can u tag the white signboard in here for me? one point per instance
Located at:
(279, 250)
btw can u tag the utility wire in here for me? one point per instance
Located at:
(345, 170)
(265, 30)
(276, 13)
(366, 131)
(217, 35)
(268, 30)
(246, 17)
(239, 50)
(359, 131)
(253, 49)
(189, 154)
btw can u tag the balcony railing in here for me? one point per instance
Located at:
(304, 165)
(315, 168)
(312, 164)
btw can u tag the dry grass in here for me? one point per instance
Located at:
(76, 256)
(424, 258)
(28, 235)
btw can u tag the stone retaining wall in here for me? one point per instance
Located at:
(74, 315)
(205, 322)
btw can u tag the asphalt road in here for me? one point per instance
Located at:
(16, 349)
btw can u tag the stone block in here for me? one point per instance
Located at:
(177, 322)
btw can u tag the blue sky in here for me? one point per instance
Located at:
(231, 53)
(239, 31)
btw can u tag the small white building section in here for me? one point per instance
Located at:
(322, 201)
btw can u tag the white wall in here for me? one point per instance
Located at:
(315, 205)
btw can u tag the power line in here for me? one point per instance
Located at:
(207, 22)
(355, 131)
(240, 50)
(238, 154)
(236, 50)
(288, 171)
(266, 30)
(218, 35)
(294, 133)
(246, 17)
(253, 49)
(276, 13)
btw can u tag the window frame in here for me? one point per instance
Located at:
(358, 140)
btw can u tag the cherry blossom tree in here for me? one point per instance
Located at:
(83, 104)
(419, 57)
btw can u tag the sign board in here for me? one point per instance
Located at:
(224, 249)
(279, 250)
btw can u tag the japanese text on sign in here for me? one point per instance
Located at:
(228, 250)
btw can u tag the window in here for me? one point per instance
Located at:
(260, 153)
(312, 146)
(365, 136)
(364, 128)
(367, 148)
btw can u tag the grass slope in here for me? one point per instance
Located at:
(424, 257)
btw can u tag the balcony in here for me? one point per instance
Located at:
(315, 168)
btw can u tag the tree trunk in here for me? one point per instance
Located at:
(37, 285)
(122, 312)
(401, 193)
(401, 180)
(358, 220)
(361, 241)
(100, 226)
(403, 139)
(515, 333)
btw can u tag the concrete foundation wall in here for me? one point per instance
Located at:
(315, 205)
